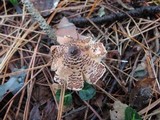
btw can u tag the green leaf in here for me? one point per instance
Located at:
(140, 71)
(87, 92)
(67, 97)
(101, 12)
(14, 2)
(131, 114)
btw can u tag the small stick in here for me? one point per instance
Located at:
(108, 19)
(60, 108)
(42, 22)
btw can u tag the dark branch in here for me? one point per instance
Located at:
(108, 19)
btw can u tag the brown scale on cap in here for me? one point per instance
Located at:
(77, 61)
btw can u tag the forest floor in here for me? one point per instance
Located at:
(128, 90)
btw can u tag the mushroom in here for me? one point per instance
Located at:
(78, 61)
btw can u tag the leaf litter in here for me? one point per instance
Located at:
(13, 85)
(132, 62)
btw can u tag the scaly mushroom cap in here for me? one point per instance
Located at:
(77, 61)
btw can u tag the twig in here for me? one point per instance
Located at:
(20, 90)
(42, 23)
(74, 111)
(107, 19)
(94, 111)
(60, 108)
(106, 93)
(155, 103)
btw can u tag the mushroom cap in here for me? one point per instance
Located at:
(77, 61)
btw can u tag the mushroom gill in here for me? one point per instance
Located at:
(78, 61)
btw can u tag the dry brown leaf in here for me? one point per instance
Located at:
(35, 113)
(76, 115)
(98, 101)
(113, 54)
(49, 112)
(45, 5)
(142, 92)
(40, 93)
(118, 111)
